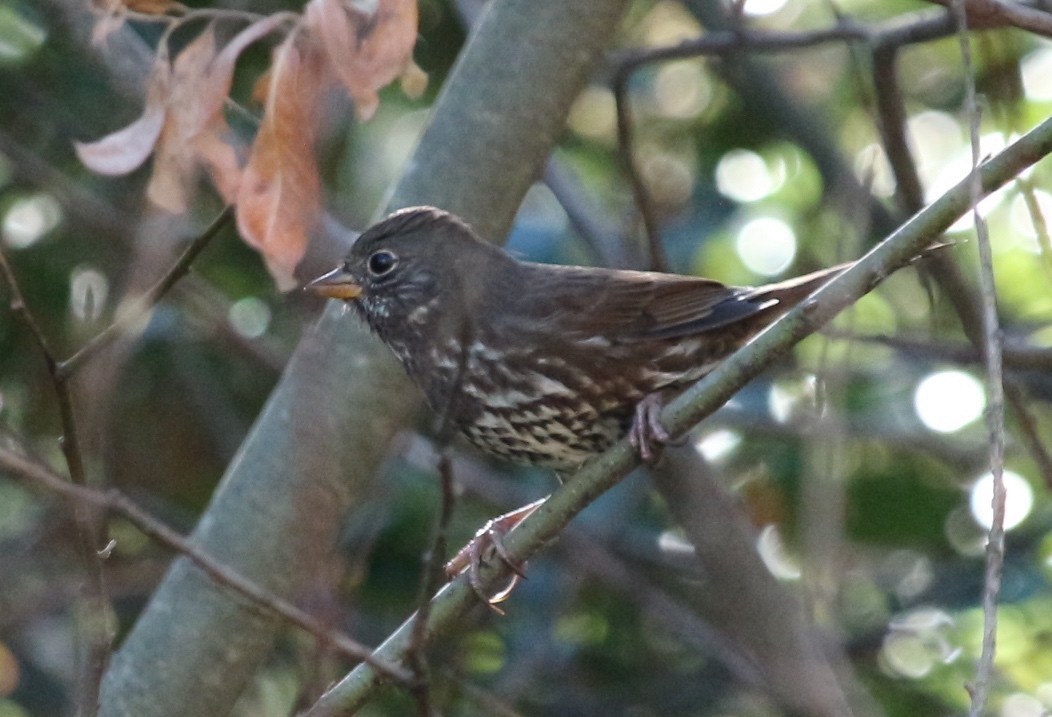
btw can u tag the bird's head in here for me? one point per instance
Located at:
(415, 267)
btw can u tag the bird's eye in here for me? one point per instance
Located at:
(382, 262)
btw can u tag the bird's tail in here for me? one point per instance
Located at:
(791, 292)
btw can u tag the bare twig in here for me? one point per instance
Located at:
(995, 418)
(38, 475)
(884, 39)
(1028, 431)
(90, 524)
(434, 562)
(626, 148)
(996, 13)
(966, 304)
(910, 29)
(1037, 218)
(599, 234)
(1017, 357)
(141, 306)
(431, 580)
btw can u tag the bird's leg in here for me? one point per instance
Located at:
(646, 434)
(489, 540)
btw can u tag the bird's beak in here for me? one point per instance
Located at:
(337, 284)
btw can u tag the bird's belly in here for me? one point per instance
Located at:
(542, 436)
(553, 411)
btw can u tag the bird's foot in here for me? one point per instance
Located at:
(646, 434)
(487, 543)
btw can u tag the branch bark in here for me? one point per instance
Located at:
(317, 444)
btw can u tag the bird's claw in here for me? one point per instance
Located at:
(647, 434)
(489, 541)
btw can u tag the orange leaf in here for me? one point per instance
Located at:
(194, 132)
(367, 47)
(10, 672)
(278, 199)
(153, 7)
(223, 67)
(192, 106)
(221, 159)
(126, 149)
(183, 120)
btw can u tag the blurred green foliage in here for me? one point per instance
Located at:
(164, 412)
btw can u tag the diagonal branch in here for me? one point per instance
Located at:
(452, 603)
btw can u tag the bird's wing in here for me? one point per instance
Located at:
(628, 306)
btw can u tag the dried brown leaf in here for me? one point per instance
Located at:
(368, 44)
(192, 106)
(220, 157)
(153, 7)
(223, 68)
(183, 121)
(278, 198)
(126, 149)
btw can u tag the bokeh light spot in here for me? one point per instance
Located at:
(1020, 704)
(775, 555)
(766, 245)
(594, 115)
(28, 219)
(250, 317)
(758, 8)
(917, 641)
(743, 176)
(1036, 69)
(717, 445)
(670, 177)
(947, 401)
(682, 90)
(88, 291)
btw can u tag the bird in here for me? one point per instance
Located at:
(544, 364)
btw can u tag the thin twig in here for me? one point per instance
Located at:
(910, 192)
(995, 417)
(91, 526)
(885, 40)
(995, 13)
(37, 474)
(588, 220)
(434, 562)
(1029, 433)
(725, 42)
(1017, 357)
(141, 306)
(432, 579)
(626, 148)
(1037, 219)
(923, 26)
